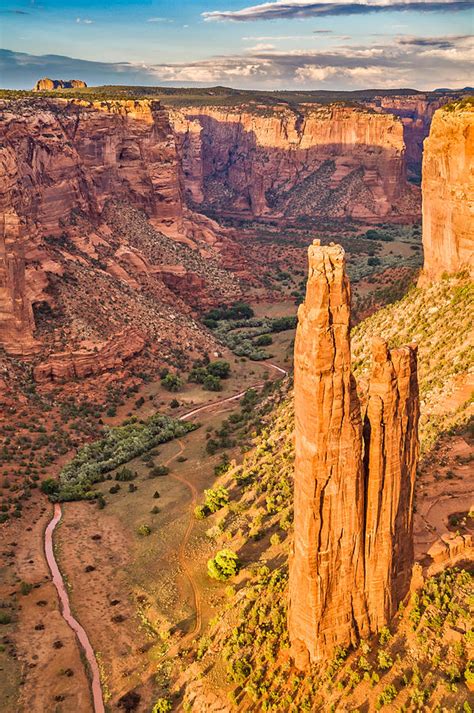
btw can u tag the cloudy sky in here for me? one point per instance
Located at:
(289, 44)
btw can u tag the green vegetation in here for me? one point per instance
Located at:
(162, 705)
(224, 565)
(172, 382)
(119, 445)
(243, 333)
(215, 499)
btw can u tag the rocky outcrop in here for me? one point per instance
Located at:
(16, 315)
(48, 85)
(331, 161)
(354, 476)
(77, 365)
(448, 192)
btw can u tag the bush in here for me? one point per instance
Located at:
(162, 705)
(172, 382)
(197, 375)
(219, 368)
(124, 475)
(224, 565)
(263, 341)
(212, 383)
(159, 470)
(5, 617)
(144, 530)
(50, 486)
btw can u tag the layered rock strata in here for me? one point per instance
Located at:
(333, 161)
(448, 192)
(16, 314)
(354, 474)
(79, 364)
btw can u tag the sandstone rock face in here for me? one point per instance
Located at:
(61, 163)
(353, 550)
(448, 193)
(16, 315)
(390, 460)
(70, 365)
(333, 161)
(48, 85)
(416, 113)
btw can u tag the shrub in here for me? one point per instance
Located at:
(212, 383)
(224, 565)
(162, 705)
(50, 486)
(159, 470)
(264, 340)
(172, 382)
(219, 368)
(5, 617)
(144, 530)
(124, 475)
(197, 375)
(174, 403)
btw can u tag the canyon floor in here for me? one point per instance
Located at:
(145, 601)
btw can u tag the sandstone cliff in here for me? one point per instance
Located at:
(16, 314)
(62, 163)
(47, 85)
(331, 161)
(448, 192)
(353, 551)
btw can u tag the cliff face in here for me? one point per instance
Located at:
(62, 162)
(448, 193)
(353, 550)
(416, 113)
(329, 161)
(16, 315)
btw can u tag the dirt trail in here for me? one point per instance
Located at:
(60, 585)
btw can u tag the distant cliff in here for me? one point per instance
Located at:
(329, 161)
(448, 191)
(48, 85)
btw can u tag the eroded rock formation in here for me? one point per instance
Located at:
(48, 85)
(353, 550)
(448, 192)
(111, 355)
(332, 161)
(16, 315)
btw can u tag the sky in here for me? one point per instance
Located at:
(278, 44)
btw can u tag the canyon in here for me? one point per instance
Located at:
(354, 474)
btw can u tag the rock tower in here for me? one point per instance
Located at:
(354, 473)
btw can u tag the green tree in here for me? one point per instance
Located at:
(162, 705)
(212, 383)
(219, 368)
(172, 382)
(224, 565)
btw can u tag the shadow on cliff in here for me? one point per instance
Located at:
(242, 177)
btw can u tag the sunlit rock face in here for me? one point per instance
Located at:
(448, 193)
(331, 161)
(354, 473)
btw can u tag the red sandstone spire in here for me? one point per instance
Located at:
(353, 548)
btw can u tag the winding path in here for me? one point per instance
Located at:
(59, 583)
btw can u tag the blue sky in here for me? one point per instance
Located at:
(273, 44)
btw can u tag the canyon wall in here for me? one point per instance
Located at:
(331, 161)
(416, 113)
(354, 474)
(62, 163)
(448, 192)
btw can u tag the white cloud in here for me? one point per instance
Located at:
(159, 19)
(289, 9)
(84, 21)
